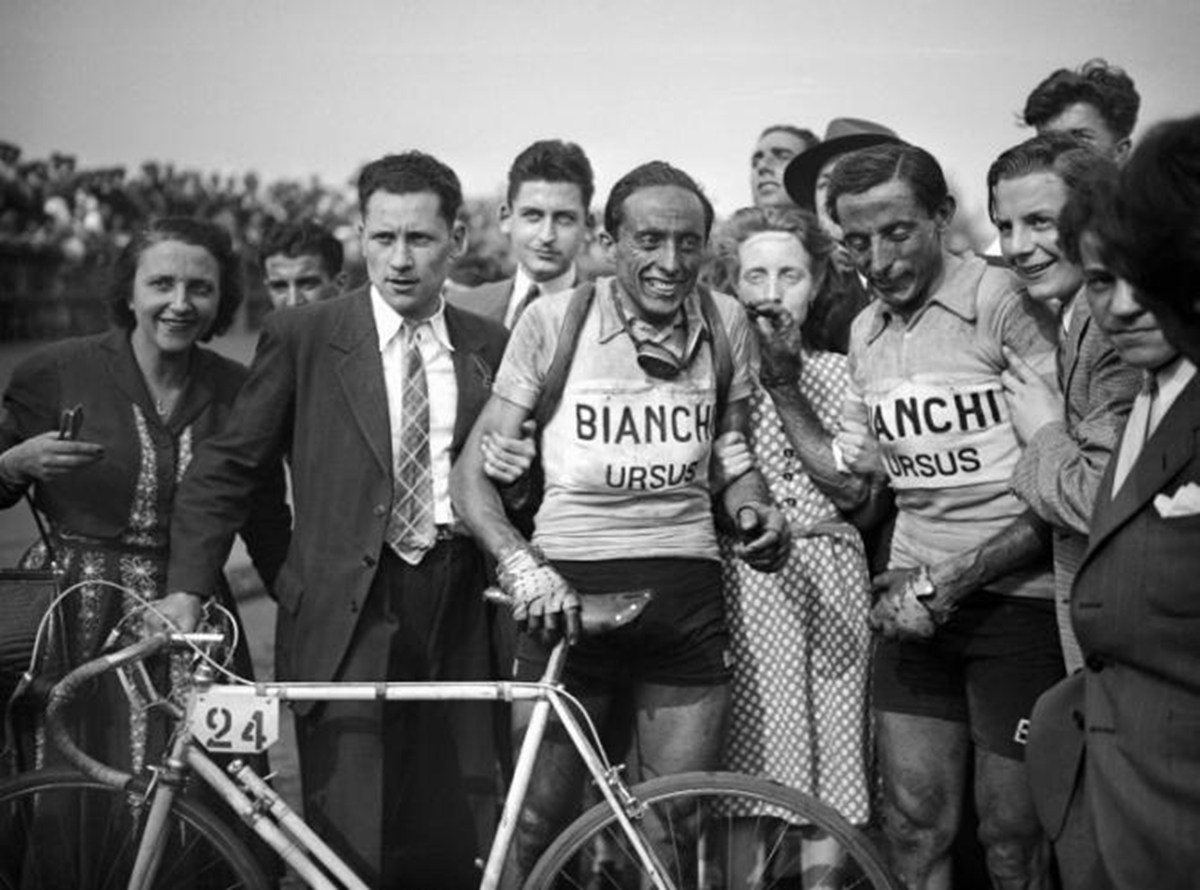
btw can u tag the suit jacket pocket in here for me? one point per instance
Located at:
(289, 590)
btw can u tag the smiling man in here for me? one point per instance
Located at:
(546, 216)
(369, 398)
(628, 503)
(926, 409)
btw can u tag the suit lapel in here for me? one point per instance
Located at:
(1171, 446)
(359, 369)
(472, 374)
(124, 369)
(1073, 344)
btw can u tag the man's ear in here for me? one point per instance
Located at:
(945, 213)
(1121, 150)
(606, 241)
(504, 216)
(340, 280)
(459, 236)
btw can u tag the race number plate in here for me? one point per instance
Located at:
(235, 719)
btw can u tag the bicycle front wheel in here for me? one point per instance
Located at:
(712, 831)
(59, 829)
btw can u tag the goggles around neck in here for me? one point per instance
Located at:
(654, 358)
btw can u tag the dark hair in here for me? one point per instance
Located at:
(649, 175)
(805, 135)
(1058, 153)
(197, 232)
(1105, 87)
(862, 170)
(1092, 209)
(304, 238)
(412, 171)
(750, 221)
(552, 160)
(1158, 206)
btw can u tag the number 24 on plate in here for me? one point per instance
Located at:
(235, 719)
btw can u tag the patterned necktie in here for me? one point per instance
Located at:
(411, 530)
(530, 295)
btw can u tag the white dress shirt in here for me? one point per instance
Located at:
(521, 284)
(436, 352)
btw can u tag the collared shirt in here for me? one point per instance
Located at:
(436, 353)
(522, 282)
(626, 455)
(929, 388)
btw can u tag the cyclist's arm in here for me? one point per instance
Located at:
(476, 499)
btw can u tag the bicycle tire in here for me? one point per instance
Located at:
(698, 811)
(44, 815)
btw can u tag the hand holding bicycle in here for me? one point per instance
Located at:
(543, 602)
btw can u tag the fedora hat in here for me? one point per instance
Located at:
(842, 136)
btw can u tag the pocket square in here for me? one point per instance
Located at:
(1185, 502)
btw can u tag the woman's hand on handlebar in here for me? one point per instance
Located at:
(180, 611)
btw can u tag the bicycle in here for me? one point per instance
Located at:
(672, 832)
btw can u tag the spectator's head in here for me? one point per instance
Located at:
(301, 263)
(410, 232)
(546, 213)
(776, 146)
(893, 206)
(657, 221)
(775, 257)
(10, 154)
(1090, 235)
(177, 281)
(1096, 103)
(1158, 205)
(1028, 185)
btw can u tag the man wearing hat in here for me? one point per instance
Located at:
(844, 295)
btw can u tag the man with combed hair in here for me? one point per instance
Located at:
(301, 263)
(952, 682)
(1096, 103)
(775, 148)
(547, 218)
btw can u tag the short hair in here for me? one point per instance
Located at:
(412, 171)
(1058, 153)
(805, 135)
(1092, 209)
(1105, 87)
(197, 232)
(750, 221)
(1158, 205)
(304, 238)
(862, 170)
(649, 175)
(552, 160)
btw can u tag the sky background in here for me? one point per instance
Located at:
(292, 88)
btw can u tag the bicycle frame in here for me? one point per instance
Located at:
(286, 832)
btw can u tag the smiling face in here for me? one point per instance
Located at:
(775, 268)
(1026, 210)
(409, 248)
(658, 250)
(895, 243)
(298, 280)
(547, 225)
(771, 156)
(1132, 329)
(176, 294)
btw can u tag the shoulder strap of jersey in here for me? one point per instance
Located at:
(722, 352)
(564, 354)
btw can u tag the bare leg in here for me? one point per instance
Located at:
(923, 764)
(1017, 849)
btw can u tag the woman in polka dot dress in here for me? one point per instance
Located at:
(801, 643)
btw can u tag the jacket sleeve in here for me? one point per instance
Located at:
(31, 405)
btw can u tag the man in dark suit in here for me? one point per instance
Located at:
(547, 219)
(1113, 754)
(370, 398)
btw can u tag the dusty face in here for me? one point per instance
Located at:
(1132, 329)
(659, 249)
(770, 157)
(176, 294)
(895, 243)
(298, 280)
(1026, 210)
(547, 225)
(409, 249)
(775, 268)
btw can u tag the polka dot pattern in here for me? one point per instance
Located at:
(801, 643)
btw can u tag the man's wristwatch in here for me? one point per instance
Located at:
(922, 588)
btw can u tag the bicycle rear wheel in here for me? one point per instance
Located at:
(61, 830)
(711, 831)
